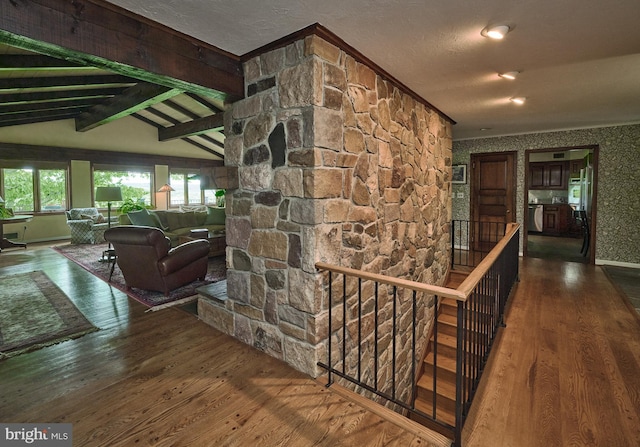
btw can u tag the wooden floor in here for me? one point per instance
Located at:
(566, 369)
(166, 379)
(564, 372)
(554, 247)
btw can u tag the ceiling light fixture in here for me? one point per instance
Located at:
(496, 32)
(518, 100)
(509, 75)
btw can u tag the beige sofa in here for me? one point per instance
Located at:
(177, 223)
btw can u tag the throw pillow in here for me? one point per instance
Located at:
(174, 220)
(192, 208)
(96, 218)
(141, 217)
(157, 222)
(215, 216)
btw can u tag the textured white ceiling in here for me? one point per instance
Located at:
(580, 59)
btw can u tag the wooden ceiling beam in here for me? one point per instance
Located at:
(13, 151)
(188, 140)
(63, 81)
(36, 117)
(174, 121)
(132, 100)
(36, 62)
(100, 34)
(6, 109)
(204, 102)
(100, 92)
(190, 128)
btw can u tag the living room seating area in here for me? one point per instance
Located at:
(87, 225)
(178, 223)
(148, 262)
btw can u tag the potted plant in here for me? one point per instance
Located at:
(220, 197)
(130, 204)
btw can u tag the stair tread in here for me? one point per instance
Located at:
(444, 389)
(443, 414)
(444, 361)
(449, 302)
(447, 340)
(448, 319)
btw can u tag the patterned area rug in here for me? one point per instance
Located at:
(35, 313)
(90, 258)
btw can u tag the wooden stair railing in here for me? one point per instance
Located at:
(470, 311)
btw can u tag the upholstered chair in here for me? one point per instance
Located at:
(87, 225)
(148, 262)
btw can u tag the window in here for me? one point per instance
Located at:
(135, 182)
(39, 188)
(186, 185)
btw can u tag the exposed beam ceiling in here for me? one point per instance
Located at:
(87, 32)
(194, 127)
(579, 60)
(131, 100)
(36, 88)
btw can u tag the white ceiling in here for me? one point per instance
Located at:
(579, 59)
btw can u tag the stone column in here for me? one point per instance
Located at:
(335, 164)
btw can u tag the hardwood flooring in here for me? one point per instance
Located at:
(564, 372)
(555, 247)
(566, 369)
(166, 379)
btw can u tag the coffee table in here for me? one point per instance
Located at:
(217, 241)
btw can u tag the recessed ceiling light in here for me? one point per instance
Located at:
(518, 99)
(496, 32)
(509, 75)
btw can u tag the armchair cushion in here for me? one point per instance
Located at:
(96, 219)
(147, 262)
(86, 225)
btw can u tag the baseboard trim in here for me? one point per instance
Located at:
(617, 263)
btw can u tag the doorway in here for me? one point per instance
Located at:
(493, 200)
(560, 204)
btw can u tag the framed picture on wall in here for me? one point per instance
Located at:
(459, 174)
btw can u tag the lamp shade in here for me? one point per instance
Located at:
(166, 188)
(108, 194)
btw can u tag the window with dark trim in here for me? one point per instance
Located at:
(135, 182)
(186, 185)
(34, 187)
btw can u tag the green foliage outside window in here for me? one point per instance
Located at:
(18, 189)
(125, 180)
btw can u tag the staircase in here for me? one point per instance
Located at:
(446, 370)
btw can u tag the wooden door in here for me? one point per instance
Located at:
(492, 197)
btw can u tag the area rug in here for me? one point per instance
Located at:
(90, 258)
(35, 313)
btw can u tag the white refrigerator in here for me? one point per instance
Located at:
(581, 190)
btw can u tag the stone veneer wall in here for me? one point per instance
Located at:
(335, 164)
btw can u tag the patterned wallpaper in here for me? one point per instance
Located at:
(618, 188)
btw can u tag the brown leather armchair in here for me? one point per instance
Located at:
(148, 262)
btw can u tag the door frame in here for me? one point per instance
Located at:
(594, 198)
(472, 182)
